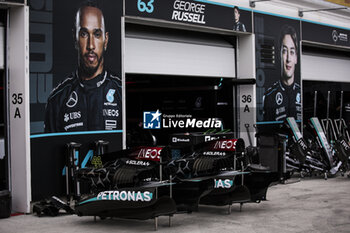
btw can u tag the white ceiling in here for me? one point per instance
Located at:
(314, 5)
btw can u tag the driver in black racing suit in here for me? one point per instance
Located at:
(76, 105)
(91, 97)
(281, 101)
(238, 25)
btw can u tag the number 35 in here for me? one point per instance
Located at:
(17, 98)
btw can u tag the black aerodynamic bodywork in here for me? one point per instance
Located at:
(216, 172)
(128, 185)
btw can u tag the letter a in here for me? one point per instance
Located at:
(246, 109)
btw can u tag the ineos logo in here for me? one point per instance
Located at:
(72, 100)
(279, 98)
(152, 154)
(225, 145)
(335, 36)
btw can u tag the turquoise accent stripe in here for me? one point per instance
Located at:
(269, 122)
(222, 4)
(75, 133)
(88, 157)
(295, 134)
(76, 157)
(318, 128)
(324, 24)
(89, 200)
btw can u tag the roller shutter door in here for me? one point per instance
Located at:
(176, 53)
(325, 67)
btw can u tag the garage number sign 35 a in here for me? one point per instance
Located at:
(17, 99)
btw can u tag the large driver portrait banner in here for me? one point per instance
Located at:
(75, 84)
(278, 82)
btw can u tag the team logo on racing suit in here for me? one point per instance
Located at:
(66, 117)
(72, 100)
(110, 95)
(279, 98)
(111, 124)
(335, 35)
(298, 99)
(72, 116)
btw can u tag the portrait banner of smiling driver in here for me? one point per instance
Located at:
(278, 69)
(75, 84)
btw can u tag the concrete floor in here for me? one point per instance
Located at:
(312, 205)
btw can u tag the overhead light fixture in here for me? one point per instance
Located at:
(252, 2)
(301, 13)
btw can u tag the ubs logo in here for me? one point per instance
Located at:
(72, 116)
(72, 100)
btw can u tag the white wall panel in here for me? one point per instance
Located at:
(325, 68)
(18, 65)
(149, 56)
(247, 70)
(2, 46)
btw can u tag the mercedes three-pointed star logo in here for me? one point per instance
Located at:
(279, 98)
(72, 100)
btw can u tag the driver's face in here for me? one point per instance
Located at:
(289, 57)
(237, 15)
(91, 40)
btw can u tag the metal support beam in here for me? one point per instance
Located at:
(301, 13)
(252, 2)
